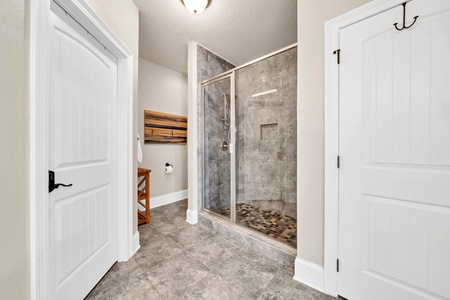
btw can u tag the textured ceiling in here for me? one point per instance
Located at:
(237, 30)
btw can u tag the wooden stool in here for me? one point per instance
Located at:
(143, 196)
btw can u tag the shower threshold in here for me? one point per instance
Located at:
(260, 244)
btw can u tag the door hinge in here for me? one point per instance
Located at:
(337, 265)
(338, 53)
(338, 162)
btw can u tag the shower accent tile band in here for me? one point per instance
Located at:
(264, 93)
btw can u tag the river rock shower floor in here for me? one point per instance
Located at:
(270, 222)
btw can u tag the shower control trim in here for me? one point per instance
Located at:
(224, 146)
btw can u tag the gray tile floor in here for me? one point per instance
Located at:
(182, 261)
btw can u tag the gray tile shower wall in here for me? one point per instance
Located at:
(267, 133)
(208, 66)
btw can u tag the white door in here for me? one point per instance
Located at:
(394, 143)
(82, 118)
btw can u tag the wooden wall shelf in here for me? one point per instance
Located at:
(162, 128)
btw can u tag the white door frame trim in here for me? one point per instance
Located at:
(38, 176)
(331, 211)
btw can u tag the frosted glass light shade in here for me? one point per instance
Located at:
(195, 6)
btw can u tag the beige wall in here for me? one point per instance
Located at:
(122, 16)
(163, 90)
(310, 181)
(14, 204)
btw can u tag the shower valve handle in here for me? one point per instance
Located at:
(224, 146)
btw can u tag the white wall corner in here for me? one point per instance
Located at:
(192, 128)
(309, 274)
(192, 216)
(136, 244)
(168, 198)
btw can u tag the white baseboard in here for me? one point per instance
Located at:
(136, 244)
(192, 216)
(309, 274)
(168, 198)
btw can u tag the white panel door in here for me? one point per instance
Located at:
(82, 118)
(394, 143)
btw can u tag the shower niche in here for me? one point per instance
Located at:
(250, 145)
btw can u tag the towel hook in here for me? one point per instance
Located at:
(404, 19)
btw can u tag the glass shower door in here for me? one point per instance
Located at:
(217, 143)
(266, 148)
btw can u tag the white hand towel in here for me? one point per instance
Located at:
(139, 149)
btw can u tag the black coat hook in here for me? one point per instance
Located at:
(404, 19)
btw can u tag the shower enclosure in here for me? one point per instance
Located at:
(250, 145)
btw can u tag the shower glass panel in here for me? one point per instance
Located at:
(266, 147)
(217, 139)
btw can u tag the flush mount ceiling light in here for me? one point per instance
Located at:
(195, 6)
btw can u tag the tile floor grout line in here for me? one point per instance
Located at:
(194, 258)
(154, 287)
(273, 278)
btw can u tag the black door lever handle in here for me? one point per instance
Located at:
(51, 182)
(57, 185)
